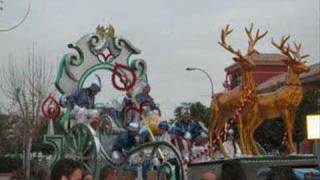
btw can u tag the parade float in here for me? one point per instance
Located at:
(91, 141)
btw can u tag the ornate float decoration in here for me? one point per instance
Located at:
(92, 145)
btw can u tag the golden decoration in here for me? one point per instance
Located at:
(224, 104)
(105, 31)
(283, 101)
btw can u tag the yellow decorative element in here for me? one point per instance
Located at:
(283, 101)
(313, 126)
(105, 31)
(152, 121)
(224, 104)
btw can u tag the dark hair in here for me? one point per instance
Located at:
(64, 167)
(105, 171)
(280, 173)
(232, 170)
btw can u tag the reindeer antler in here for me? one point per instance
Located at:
(296, 53)
(224, 33)
(286, 50)
(253, 40)
(281, 46)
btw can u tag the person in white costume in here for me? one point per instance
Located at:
(83, 115)
(231, 146)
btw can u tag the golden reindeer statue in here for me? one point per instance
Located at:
(284, 101)
(224, 104)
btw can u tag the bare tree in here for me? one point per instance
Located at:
(25, 84)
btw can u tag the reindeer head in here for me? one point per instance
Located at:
(294, 60)
(245, 61)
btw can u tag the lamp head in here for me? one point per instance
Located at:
(190, 69)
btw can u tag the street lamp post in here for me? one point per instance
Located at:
(208, 76)
(211, 133)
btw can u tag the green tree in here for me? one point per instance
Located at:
(270, 134)
(309, 105)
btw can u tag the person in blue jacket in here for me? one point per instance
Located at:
(188, 128)
(186, 131)
(85, 97)
(144, 97)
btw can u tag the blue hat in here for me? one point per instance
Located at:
(163, 125)
(185, 108)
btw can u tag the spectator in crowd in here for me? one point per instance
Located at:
(66, 169)
(39, 171)
(86, 175)
(232, 170)
(280, 173)
(209, 175)
(108, 173)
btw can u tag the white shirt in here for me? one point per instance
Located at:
(83, 115)
(228, 145)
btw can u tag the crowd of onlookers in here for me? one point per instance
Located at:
(69, 169)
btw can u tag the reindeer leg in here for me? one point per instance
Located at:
(290, 134)
(253, 142)
(212, 132)
(288, 119)
(240, 132)
(253, 125)
(211, 139)
(220, 126)
(246, 140)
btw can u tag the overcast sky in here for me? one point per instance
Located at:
(171, 34)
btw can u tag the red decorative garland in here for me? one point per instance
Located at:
(123, 77)
(139, 109)
(234, 119)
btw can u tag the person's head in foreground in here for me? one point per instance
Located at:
(66, 169)
(86, 175)
(108, 173)
(280, 173)
(209, 176)
(232, 170)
